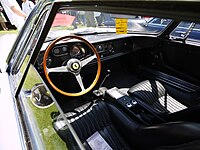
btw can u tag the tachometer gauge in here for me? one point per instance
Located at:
(77, 51)
(56, 51)
(64, 49)
(60, 50)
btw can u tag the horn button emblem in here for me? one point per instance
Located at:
(74, 65)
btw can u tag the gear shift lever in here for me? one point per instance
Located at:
(108, 72)
(101, 90)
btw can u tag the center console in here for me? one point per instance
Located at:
(132, 106)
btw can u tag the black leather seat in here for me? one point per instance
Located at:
(121, 132)
(154, 94)
(156, 99)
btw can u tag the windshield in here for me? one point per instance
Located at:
(90, 22)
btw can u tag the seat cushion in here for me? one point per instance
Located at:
(105, 119)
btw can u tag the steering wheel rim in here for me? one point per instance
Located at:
(49, 48)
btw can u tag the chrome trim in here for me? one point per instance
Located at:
(23, 139)
(35, 144)
(21, 56)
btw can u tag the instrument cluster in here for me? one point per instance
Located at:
(77, 50)
(61, 53)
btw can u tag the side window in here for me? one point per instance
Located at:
(42, 115)
(24, 56)
(195, 33)
(39, 110)
(181, 30)
(197, 26)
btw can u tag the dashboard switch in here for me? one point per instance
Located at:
(134, 102)
(129, 105)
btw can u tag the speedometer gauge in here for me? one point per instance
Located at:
(75, 51)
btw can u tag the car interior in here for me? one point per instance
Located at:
(132, 92)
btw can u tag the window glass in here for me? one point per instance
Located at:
(195, 33)
(23, 57)
(186, 29)
(156, 25)
(184, 25)
(197, 26)
(40, 112)
(181, 30)
(70, 21)
(160, 21)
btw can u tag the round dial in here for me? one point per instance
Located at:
(56, 51)
(49, 61)
(64, 49)
(77, 51)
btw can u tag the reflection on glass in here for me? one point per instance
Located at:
(40, 108)
(87, 22)
(23, 57)
(40, 97)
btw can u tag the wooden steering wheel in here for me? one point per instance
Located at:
(73, 66)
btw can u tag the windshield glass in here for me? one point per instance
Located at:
(90, 22)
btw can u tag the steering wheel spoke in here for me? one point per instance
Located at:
(87, 60)
(58, 69)
(80, 81)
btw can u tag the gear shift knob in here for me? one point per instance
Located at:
(108, 72)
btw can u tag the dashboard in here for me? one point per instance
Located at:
(107, 49)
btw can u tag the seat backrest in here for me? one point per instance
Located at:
(153, 93)
(150, 92)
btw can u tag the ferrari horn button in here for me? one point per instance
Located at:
(75, 66)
